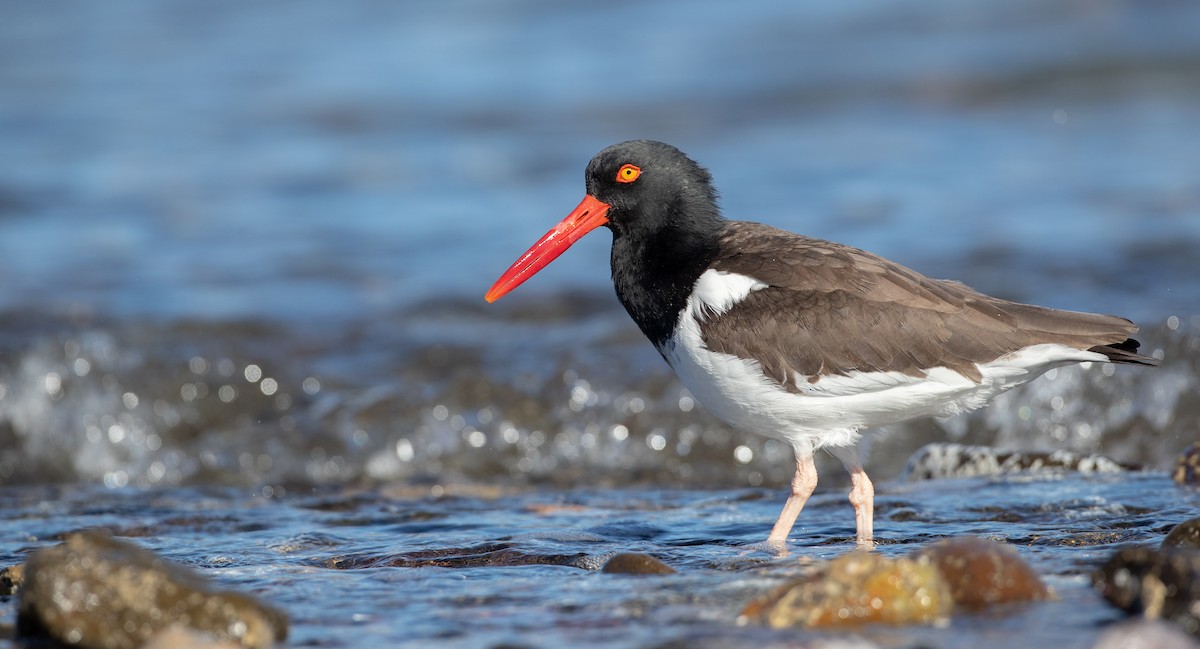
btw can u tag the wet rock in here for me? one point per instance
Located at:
(1184, 535)
(96, 591)
(1144, 634)
(942, 460)
(857, 588)
(635, 563)
(1083, 538)
(1156, 584)
(1187, 466)
(11, 579)
(981, 573)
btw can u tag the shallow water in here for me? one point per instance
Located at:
(354, 568)
(243, 249)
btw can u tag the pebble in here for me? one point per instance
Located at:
(96, 591)
(982, 573)
(1187, 466)
(1184, 535)
(1155, 584)
(636, 563)
(857, 588)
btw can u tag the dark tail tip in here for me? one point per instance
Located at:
(1124, 352)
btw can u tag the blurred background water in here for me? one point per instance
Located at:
(189, 191)
(246, 244)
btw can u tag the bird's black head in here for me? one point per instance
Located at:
(649, 186)
(662, 210)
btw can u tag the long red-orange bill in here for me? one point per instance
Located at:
(589, 215)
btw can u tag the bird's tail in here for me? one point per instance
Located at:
(1124, 352)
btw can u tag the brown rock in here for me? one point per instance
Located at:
(11, 579)
(981, 573)
(1184, 535)
(1187, 467)
(96, 591)
(635, 563)
(858, 588)
(1156, 584)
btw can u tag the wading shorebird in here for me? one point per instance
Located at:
(802, 340)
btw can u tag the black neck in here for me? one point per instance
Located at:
(654, 272)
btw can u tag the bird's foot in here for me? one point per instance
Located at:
(774, 547)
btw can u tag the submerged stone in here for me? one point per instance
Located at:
(857, 588)
(1156, 584)
(1187, 466)
(636, 563)
(981, 573)
(485, 555)
(943, 460)
(93, 590)
(1184, 535)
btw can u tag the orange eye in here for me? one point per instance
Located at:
(628, 173)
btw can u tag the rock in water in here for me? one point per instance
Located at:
(981, 573)
(1157, 584)
(858, 588)
(1184, 535)
(944, 460)
(636, 563)
(11, 579)
(1187, 467)
(97, 591)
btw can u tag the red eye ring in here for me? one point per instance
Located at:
(628, 173)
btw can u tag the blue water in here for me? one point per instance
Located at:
(286, 548)
(307, 161)
(243, 250)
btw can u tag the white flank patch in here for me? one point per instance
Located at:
(833, 410)
(717, 291)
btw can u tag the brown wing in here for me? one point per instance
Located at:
(831, 309)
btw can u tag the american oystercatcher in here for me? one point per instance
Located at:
(803, 340)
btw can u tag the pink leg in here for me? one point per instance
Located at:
(862, 496)
(862, 492)
(803, 484)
